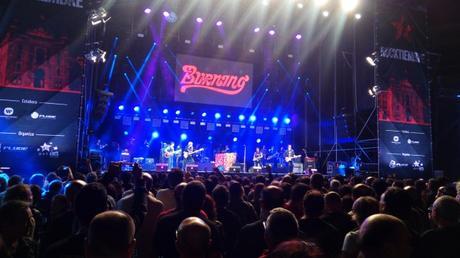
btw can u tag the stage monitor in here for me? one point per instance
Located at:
(213, 81)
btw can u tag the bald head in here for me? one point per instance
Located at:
(272, 197)
(384, 236)
(446, 211)
(72, 189)
(111, 234)
(193, 238)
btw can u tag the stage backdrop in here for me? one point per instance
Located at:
(40, 84)
(213, 81)
(404, 99)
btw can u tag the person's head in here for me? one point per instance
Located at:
(71, 190)
(111, 234)
(445, 211)
(281, 225)
(298, 191)
(36, 193)
(175, 177)
(294, 249)
(271, 197)
(257, 149)
(90, 201)
(148, 180)
(361, 190)
(171, 144)
(364, 207)
(332, 202)
(193, 196)
(236, 191)
(221, 196)
(316, 181)
(190, 144)
(193, 238)
(178, 194)
(384, 236)
(19, 193)
(209, 207)
(37, 179)
(395, 201)
(14, 180)
(335, 185)
(59, 205)
(313, 204)
(16, 221)
(55, 187)
(3, 181)
(289, 147)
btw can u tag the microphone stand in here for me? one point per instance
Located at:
(244, 159)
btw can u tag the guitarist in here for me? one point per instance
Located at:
(169, 155)
(289, 156)
(188, 159)
(257, 157)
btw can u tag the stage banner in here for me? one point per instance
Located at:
(213, 81)
(404, 119)
(41, 68)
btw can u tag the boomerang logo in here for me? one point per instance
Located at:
(221, 83)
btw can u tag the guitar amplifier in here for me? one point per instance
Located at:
(235, 169)
(297, 168)
(161, 167)
(257, 170)
(191, 168)
(149, 164)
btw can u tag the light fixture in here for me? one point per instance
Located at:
(219, 23)
(199, 20)
(271, 32)
(349, 5)
(374, 91)
(325, 13)
(298, 36)
(358, 16)
(372, 59)
(96, 55)
(99, 16)
(320, 2)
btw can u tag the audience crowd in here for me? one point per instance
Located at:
(188, 215)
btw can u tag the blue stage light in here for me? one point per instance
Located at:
(155, 135)
(258, 140)
(149, 109)
(137, 109)
(287, 120)
(217, 115)
(125, 133)
(252, 118)
(229, 116)
(209, 138)
(177, 112)
(204, 114)
(241, 117)
(183, 137)
(121, 107)
(265, 119)
(275, 120)
(235, 139)
(165, 111)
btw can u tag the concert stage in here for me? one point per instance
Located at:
(185, 83)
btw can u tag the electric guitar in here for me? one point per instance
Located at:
(290, 158)
(258, 157)
(188, 154)
(274, 155)
(169, 154)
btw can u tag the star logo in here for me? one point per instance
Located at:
(46, 147)
(403, 30)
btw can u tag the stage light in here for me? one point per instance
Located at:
(217, 115)
(349, 5)
(229, 116)
(166, 14)
(219, 23)
(320, 2)
(96, 55)
(298, 36)
(256, 29)
(358, 16)
(121, 107)
(374, 91)
(98, 16)
(177, 112)
(252, 118)
(209, 138)
(299, 5)
(199, 20)
(258, 140)
(371, 61)
(149, 109)
(275, 120)
(287, 120)
(137, 109)
(171, 17)
(235, 139)
(183, 137)
(155, 135)
(125, 133)
(165, 111)
(325, 13)
(265, 119)
(204, 114)
(241, 117)
(147, 10)
(265, 2)
(271, 32)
